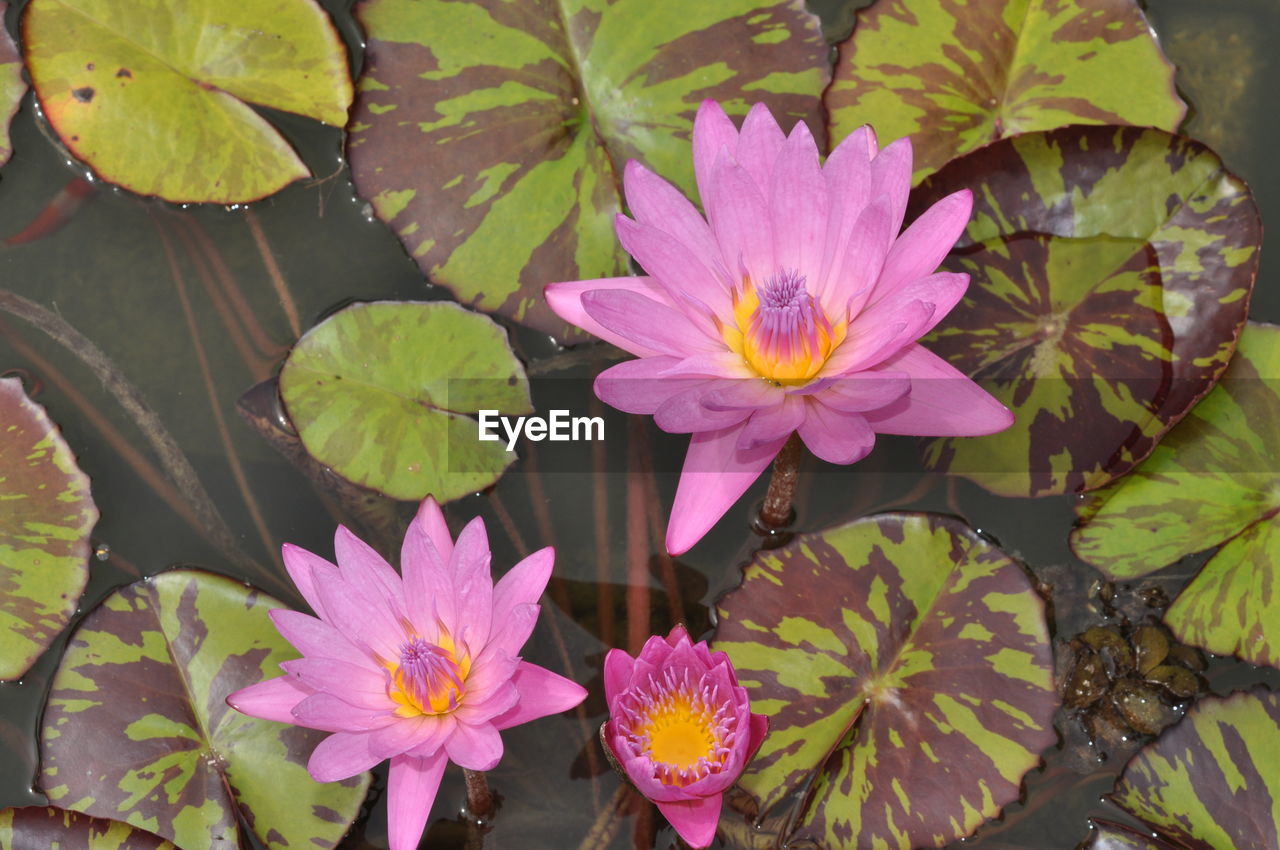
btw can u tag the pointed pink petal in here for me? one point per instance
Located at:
(408, 734)
(429, 522)
(943, 290)
(542, 693)
(493, 669)
(433, 743)
(640, 386)
(853, 275)
(565, 299)
(712, 131)
(685, 412)
(768, 426)
(331, 714)
(880, 336)
(758, 729)
(273, 699)
(715, 474)
(617, 674)
(352, 683)
(363, 567)
(695, 820)
(862, 391)
(740, 219)
(848, 177)
(473, 583)
(798, 202)
(891, 177)
(648, 324)
(700, 292)
(943, 401)
(922, 246)
(474, 747)
(510, 632)
(300, 565)
(523, 584)
(835, 436)
(428, 587)
(341, 756)
(315, 638)
(363, 618)
(759, 145)
(412, 784)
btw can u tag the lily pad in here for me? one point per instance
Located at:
(1111, 272)
(1213, 480)
(44, 530)
(491, 135)
(381, 393)
(955, 76)
(903, 662)
(12, 86)
(1212, 781)
(136, 726)
(154, 95)
(38, 828)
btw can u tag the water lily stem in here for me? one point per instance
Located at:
(479, 797)
(776, 510)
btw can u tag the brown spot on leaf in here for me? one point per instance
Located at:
(124, 72)
(84, 94)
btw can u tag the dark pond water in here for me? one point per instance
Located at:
(145, 282)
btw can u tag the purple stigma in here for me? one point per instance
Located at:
(786, 325)
(429, 675)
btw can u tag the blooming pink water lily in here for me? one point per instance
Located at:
(680, 727)
(421, 668)
(794, 306)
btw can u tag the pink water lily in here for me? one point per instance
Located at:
(421, 668)
(680, 728)
(794, 307)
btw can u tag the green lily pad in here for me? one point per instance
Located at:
(1111, 272)
(38, 828)
(1212, 781)
(1213, 480)
(154, 95)
(44, 530)
(136, 727)
(12, 86)
(381, 393)
(491, 135)
(955, 76)
(904, 661)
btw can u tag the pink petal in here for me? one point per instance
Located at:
(943, 290)
(798, 202)
(495, 703)
(740, 219)
(565, 299)
(771, 425)
(922, 246)
(300, 565)
(428, 586)
(363, 567)
(327, 712)
(511, 631)
(853, 276)
(407, 734)
(695, 820)
(473, 583)
(542, 693)
(755, 735)
(524, 583)
(430, 522)
(490, 671)
(685, 412)
(863, 391)
(316, 638)
(891, 177)
(439, 732)
(640, 386)
(354, 684)
(879, 335)
(715, 474)
(759, 145)
(475, 747)
(835, 436)
(716, 364)
(943, 401)
(648, 324)
(848, 177)
(273, 699)
(753, 393)
(341, 756)
(617, 674)
(361, 617)
(699, 293)
(712, 131)
(412, 784)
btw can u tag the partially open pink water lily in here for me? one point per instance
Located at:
(680, 727)
(795, 306)
(422, 668)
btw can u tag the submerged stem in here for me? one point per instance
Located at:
(479, 797)
(776, 510)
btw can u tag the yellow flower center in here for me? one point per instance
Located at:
(781, 331)
(429, 678)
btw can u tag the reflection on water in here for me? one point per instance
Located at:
(184, 304)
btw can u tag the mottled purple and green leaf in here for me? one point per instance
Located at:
(12, 86)
(39, 828)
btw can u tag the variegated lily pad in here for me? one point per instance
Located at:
(37, 828)
(1212, 782)
(12, 86)
(905, 667)
(384, 392)
(154, 94)
(491, 135)
(957, 75)
(1111, 273)
(136, 726)
(46, 514)
(1213, 480)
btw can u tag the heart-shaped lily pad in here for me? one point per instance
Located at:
(155, 96)
(1212, 781)
(136, 726)
(12, 86)
(955, 76)
(904, 660)
(1111, 272)
(381, 393)
(1214, 479)
(45, 522)
(38, 828)
(491, 135)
